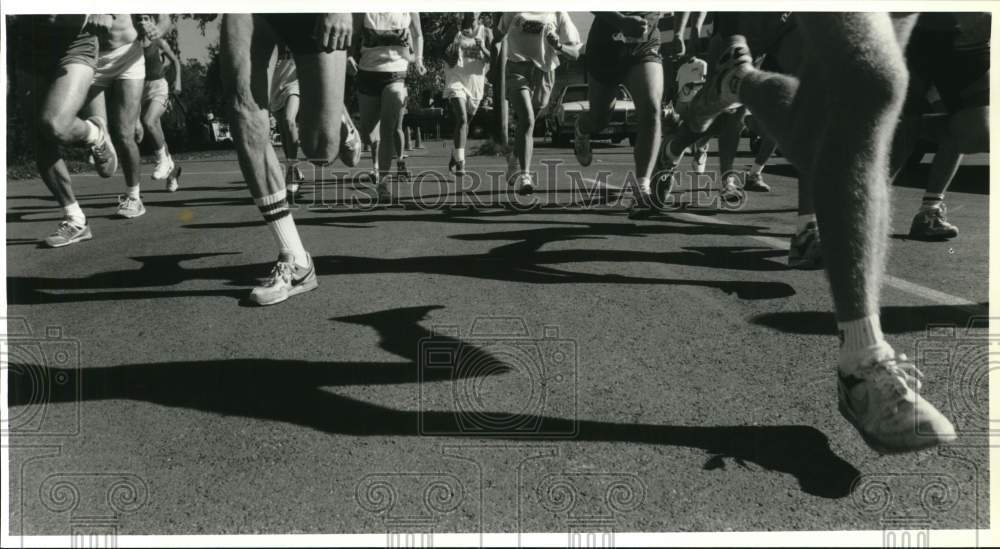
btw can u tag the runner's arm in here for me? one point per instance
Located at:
(418, 42)
(174, 60)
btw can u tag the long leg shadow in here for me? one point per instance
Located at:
(519, 261)
(291, 391)
(895, 320)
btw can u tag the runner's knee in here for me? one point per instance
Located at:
(870, 81)
(55, 129)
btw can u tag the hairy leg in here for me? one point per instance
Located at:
(321, 85)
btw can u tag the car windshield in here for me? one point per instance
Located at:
(575, 93)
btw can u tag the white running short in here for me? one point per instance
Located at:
(122, 63)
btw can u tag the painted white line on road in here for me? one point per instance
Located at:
(901, 284)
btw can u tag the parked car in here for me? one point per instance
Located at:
(573, 101)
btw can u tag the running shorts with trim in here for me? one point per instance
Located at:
(471, 90)
(156, 91)
(43, 44)
(373, 82)
(279, 96)
(125, 62)
(525, 75)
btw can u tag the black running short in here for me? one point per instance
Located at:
(611, 55)
(961, 75)
(294, 30)
(46, 42)
(373, 82)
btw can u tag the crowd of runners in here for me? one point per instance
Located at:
(843, 95)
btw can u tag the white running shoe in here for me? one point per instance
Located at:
(68, 233)
(173, 182)
(881, 399)
(129, 207)
(350, 145)
(721, 91)
(103, 152)
(699, 162)
(730, 192)
(527, 186)
(164, 167)
(286, 280)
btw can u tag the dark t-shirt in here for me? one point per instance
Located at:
(154, 63)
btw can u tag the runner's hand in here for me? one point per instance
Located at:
(552, 38)
(177, 88)
(419, 66)
(352, 66)
(679, 47)
(333, 31)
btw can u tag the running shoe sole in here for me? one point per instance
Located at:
(873, 443)
(305, 286)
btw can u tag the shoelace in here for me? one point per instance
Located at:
(282, 272)
(127, 202)
(897, 375)
(936, 214)
(100, 151)
(66, 229)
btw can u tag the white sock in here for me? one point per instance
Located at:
(932, 200)
(274, 208)
(644, 187)
(861, 340)
(73, 213)
(803, 221)
(93, 133)
(132, 192)
(756, 168)
(459, 154)
(161, 153)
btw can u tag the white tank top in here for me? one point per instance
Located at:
(385, 42)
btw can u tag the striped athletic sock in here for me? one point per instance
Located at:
(932, 200)
(274, 208)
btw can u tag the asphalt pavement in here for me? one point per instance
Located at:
(474, 360)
